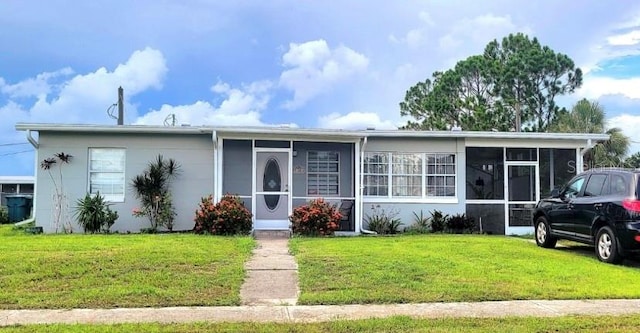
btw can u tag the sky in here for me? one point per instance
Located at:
(316, 64)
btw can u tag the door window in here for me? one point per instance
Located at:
(572, 190)
(595, 185)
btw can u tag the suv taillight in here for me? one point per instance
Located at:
(632, 205)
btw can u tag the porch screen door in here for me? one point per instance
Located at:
(272, 190)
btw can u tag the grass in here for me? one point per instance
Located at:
(108, 271)
(447, 268)
(393, 324)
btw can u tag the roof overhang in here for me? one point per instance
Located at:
(303, 132)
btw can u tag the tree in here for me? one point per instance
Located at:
(511, 86)
(633, 161)
(152, 188)
(589, 117)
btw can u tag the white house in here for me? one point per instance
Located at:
(494, 177)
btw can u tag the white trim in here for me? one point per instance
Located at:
(242, 132)
(400, 200)
(357, 186)
(485, 202)
(326, 198)
(508, 229)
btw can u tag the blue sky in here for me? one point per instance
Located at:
(328, 64)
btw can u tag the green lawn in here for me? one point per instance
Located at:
(106, 271)
(394, 324)
(445, 268)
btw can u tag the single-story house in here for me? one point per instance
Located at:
(494, 177)
(12, 185)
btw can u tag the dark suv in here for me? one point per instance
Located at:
(599, 207)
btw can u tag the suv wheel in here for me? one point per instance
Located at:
(607, 246)
(543, 233)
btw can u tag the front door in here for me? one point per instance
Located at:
(522, 190)
(271, 189)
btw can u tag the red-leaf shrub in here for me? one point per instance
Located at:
(228, 217)
(315, 218)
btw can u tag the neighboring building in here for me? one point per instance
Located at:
(11, 185)
(495, 177)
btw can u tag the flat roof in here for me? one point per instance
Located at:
(292, 131)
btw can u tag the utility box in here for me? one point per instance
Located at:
(19, 207)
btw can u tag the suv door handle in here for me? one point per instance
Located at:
(597, 205)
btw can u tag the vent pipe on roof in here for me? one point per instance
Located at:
(120, 106)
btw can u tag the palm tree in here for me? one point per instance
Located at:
(589, 117)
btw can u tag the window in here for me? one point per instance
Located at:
(323, 173)
(618, 185)
(376, 174)
(407, 175)
(412, 175)
(441, 175)
(106, 173)
(573, 188)
(594, 185)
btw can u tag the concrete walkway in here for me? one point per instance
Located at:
(272, 272)
(308, 314)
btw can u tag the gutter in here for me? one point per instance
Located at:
(31, 140)
(583, 152)
(361, 205)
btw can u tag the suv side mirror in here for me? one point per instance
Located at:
(555, 193)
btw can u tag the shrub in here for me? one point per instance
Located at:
(152, 189)
(460, 223)
(4, 215)
(421, 224)
(317, 217)
(94, 215)
(383, 222)
(438, 221)
(228, 217)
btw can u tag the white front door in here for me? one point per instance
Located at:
(271, 190)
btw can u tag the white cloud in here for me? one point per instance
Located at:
(595, 87)
(479, 31)
(416, 37)
(626, 39)
(33, 87)
(355, 120)
(240, 106)
(314, 68)
(630, 125)
(85, 98)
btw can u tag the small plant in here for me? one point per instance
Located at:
(94, 214)
(421, 224)
(438, 221)
(4, 215)
(383, 222)
(152, 188)
(228, 217)
(460, 223)
(317, 217)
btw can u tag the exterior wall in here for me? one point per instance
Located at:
(405, 207)
(193, 152)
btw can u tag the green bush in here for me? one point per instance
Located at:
(421, 224)
(228, 217)
(383, 222)
(460, 223)
(94, 215)
(4, 215)
(438, 221)
(315, 218)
